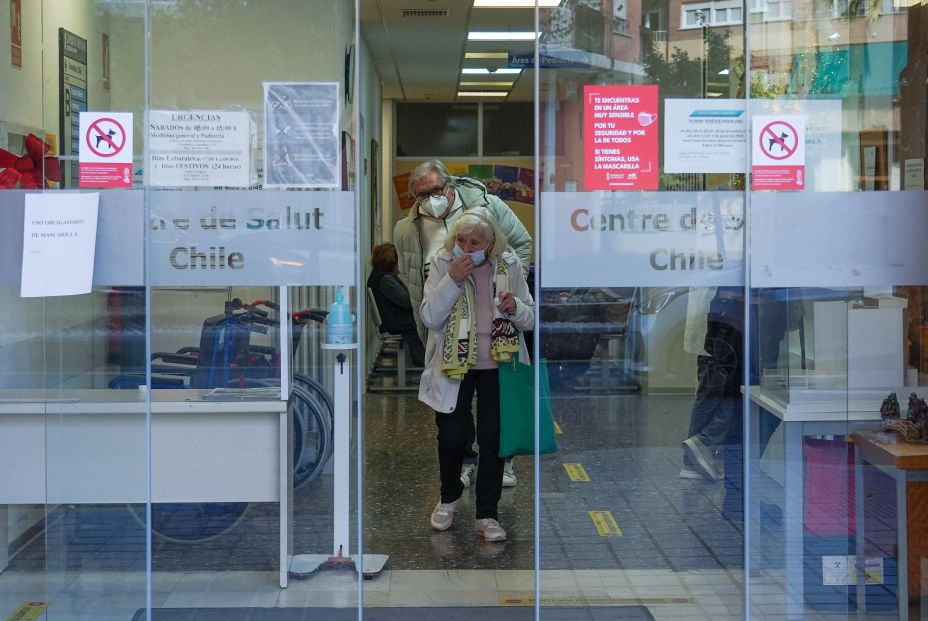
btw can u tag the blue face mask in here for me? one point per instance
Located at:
(477, 257)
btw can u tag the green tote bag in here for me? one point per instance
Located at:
(517, 410)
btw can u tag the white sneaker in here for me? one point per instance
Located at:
(490, 529)
(443, 514)
(468, 474)
(509, 475)
(702, 458)
(688, 472)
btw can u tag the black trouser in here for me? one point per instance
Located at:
(414, 345)
(452, 436)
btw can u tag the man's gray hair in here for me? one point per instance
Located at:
(426, 167)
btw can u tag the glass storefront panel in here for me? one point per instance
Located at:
(837, 286)
(194, 375)
(75, 464)
(642, 311)
(724, 202)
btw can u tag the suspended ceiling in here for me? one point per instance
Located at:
(419, 48)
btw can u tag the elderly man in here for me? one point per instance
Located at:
(440, 200)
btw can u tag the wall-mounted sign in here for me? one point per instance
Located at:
(550, 60)
(620, 138)
(704, 136)
(16, 33)
(72, 96)
(778, 152)
(914, 174)
(301, 135)
(199, 148)
(106, 150)
(105, 47)
(616, 239)
(59, 240)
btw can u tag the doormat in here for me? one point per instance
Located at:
(476, 613)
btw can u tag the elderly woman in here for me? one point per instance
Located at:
(475, 305)
(392, 298)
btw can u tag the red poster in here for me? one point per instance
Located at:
(400, 184)
(16, 33)
(620, 138)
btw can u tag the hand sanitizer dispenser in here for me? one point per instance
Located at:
(339, 324)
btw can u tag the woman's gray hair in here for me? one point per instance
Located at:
(479, 219)
(426, 167)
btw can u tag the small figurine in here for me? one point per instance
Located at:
(914, 427)
(890, 407)
(918, 415)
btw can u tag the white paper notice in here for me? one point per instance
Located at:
(704, 136)
(199, 148)
(914, 174)
(59, 240)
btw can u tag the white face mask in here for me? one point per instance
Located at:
(438, 205)
(477, 257)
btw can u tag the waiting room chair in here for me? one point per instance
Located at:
(391, 357)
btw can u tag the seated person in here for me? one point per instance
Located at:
(392, 299)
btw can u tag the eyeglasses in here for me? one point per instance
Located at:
(424, 196)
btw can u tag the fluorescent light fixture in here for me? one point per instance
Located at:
(485, 71)
(514, 4)
(486, 54)
(487, 84)
(501, 36)
(482, 93)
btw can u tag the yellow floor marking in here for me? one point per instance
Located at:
(593, 601)
(557, 428)
(605, 524)
(30, 611)
(576, 472)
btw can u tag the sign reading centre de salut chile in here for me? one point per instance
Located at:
(620, 138)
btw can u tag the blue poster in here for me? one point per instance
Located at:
(301, 138)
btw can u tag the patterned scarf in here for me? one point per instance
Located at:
(459, 353)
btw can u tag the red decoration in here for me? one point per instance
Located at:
(26, 170)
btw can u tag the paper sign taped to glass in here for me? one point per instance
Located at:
(301, 135)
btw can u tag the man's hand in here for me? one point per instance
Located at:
(507, 302)
(460, 268)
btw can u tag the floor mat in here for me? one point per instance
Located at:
(520, 613)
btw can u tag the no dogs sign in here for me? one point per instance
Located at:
(106, 150)
(778, 155)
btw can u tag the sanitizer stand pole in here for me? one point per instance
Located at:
(372, 564)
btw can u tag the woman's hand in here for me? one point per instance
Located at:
(506, 302)
(460, 268)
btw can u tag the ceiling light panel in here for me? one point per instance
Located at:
(484, 71)
(486, 55)
(482, 93)
(487, 84)
(514, 4)
(501, 36)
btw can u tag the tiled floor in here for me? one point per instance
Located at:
(677, 553)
